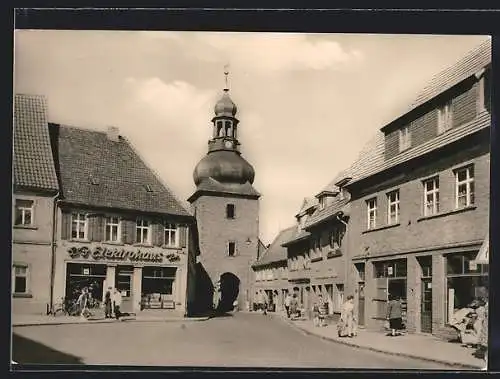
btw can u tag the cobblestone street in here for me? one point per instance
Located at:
(242, 340)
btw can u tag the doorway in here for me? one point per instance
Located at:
(361, 303)
(124, 284)
(426, 294)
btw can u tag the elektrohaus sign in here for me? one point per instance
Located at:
(99, 253)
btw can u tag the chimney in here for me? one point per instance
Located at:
(113, 133)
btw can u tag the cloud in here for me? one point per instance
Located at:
(269, 52)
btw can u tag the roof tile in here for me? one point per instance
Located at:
(85, 157)
(275, 252)
(33, 161)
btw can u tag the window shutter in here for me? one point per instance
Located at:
(66, 225)
(96, 226)
(182, 235)
(128, 231)
(157, 230)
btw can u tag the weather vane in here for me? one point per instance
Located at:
(226, 73)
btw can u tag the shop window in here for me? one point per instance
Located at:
(20, 279)
(171, 235)
(24, 212)
(371, 206)
(157, 287)
(464, 187)
(230, 211)
(339, 297)
(79, 226)
(113, 229)
(393, 207)
(143, 232)
(431, 196)
(445, 119)
(390, 269)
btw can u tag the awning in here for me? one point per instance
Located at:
(483, 256)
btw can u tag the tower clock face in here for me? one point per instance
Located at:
(228, 144)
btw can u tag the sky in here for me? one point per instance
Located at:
(307, 103)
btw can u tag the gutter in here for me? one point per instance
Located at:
(53, 250)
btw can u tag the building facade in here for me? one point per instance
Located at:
(35, 188)
(118, 225)
(226, 207)
(419, 209)
(271, 271)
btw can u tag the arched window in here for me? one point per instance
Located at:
(220, 128)
(229, 128)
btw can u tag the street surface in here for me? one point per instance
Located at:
(242, 340)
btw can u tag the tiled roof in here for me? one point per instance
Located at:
(483, 120)
(96, 171)
(212, 185)
(32, 160)
(275, 252)
(298, 236)
(371, 159)
(470, 64)
(327, 213)
(307, 204)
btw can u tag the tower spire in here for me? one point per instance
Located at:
(226, 74)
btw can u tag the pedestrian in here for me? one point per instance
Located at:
(482, 348)
(394, 315)
(315, 314)
(347, 324)
(288, 301)
(108, 311)
(82, 301)
(264, 303)
(294, 304)
(117, 302)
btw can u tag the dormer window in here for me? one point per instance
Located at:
(404, 138)
(322, 202)
(148, 188)
(445, 118)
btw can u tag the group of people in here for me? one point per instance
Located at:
(471, 324)
(112, 303)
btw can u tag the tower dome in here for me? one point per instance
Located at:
(225, 167)
(225, 106)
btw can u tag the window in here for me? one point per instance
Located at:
(393, 207)
(24, 212)
(390, 269)
(171, 235)
(445, 118)
(20, 279)
(372, 213)
(404, 138)
(336, 236)
(112, 229)
(464, 187)
(79, 226)
(231, 249)
(230, 211)
(220, 128)
(322, 202)
(431, 196)
(143, 234)
(339, 297)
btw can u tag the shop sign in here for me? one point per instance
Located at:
(99, 253)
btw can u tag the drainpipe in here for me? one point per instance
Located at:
(53, 250)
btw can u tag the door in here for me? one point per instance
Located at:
(426, 306)
(123, 280)
(361, 303)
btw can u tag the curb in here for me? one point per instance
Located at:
(378, 350)
(89, 322)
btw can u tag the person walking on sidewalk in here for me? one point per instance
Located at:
(117, 303)
(394, 315)
(294, 305)
(83, 301)
(288, 301)
(108, 311)
(315, 314)
(346, 326)
(323, 310)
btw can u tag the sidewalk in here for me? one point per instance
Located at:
(415, 346)
(33, 320)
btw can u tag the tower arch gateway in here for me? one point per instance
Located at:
(228, 243)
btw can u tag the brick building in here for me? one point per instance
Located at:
(118, 225)
(35, 188)
(226, 207)
(419, 208)
(271, 270)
